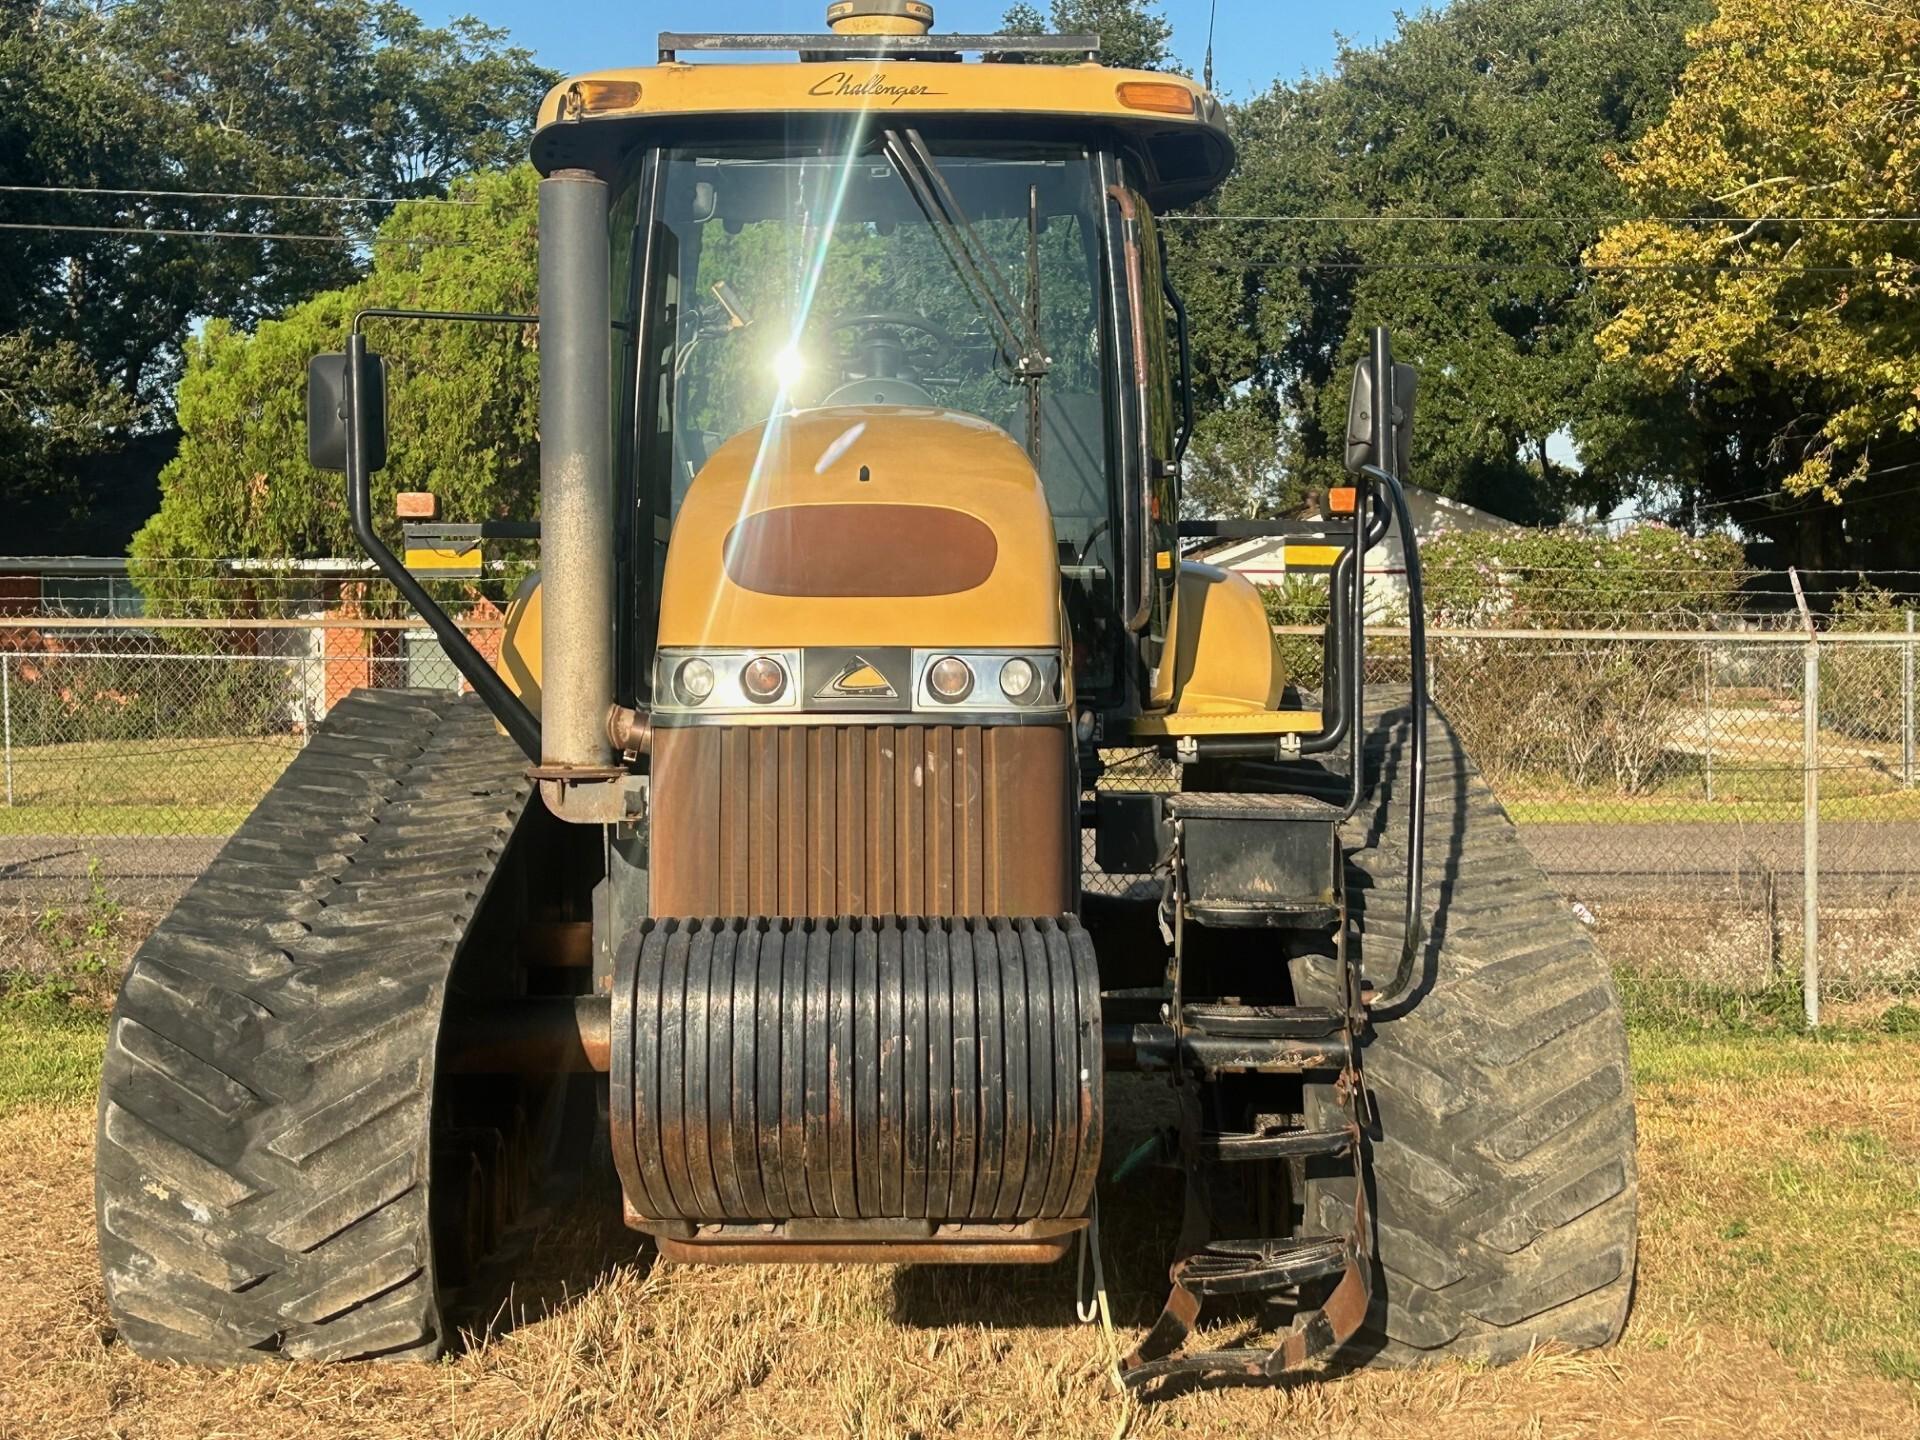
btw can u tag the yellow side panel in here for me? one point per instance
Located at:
(1310, 557)
(1268, 722)
(445, 564)
(1225, 659)
(866, 455)
(519, 662)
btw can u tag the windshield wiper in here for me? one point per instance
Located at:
(1016, 327)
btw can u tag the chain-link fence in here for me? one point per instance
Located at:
(1733, 814)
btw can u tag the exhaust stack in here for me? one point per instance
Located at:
(578, 777)
(880, 17)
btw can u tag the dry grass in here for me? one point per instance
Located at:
(1714, 1349)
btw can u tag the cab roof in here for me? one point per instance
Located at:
(594, 121)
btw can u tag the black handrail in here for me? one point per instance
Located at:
(506, 706)
(1417, 817)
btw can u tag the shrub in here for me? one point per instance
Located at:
(1860, 684)
(1588, 713)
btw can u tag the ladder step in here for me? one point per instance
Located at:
(1287, 1145)
(1247, 1267)
(1241, 805)
(1266, 1022)
(1256, 1364)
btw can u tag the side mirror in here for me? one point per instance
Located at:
(1360, 419)
(327, 436)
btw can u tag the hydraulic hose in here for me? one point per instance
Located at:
(1403, 975)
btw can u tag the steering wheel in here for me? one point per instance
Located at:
(876, 355)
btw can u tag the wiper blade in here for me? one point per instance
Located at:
(1018, 340)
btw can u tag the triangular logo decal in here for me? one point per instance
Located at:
(859, 679)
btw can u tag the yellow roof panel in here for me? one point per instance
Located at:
(588, 122)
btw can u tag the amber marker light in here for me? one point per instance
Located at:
(950, 679)
(600, 97)
(764, 679)
(1155, 95)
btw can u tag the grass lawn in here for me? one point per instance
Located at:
(1660, 809)
(142, 787)
(48, 1056)
(1779, 1293)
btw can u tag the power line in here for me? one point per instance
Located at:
(231, 195)
(254, 235)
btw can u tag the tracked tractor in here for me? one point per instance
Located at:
(866, 778)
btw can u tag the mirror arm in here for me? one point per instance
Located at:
(506, 706)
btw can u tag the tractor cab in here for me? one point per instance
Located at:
(890, 234)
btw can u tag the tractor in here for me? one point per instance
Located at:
(865, 776)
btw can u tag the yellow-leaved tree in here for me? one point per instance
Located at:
(1782, 256)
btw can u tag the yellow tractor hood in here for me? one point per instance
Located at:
(864, 525)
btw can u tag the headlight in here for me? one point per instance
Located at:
(950, 679)
(694, 680)
(1020, 681)
(763, 679)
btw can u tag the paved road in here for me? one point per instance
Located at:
(1601, 859)
(1595, 860)
(145, 871)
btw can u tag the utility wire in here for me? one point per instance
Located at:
(254, 235)
(231, 195)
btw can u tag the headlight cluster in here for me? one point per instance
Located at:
(990, 681)
(742, 683)
(718, 681)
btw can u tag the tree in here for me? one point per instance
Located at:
(1133, 33)
(257, 98)
(1501, 111)
(1794, 119)
(463, 399)
(53, 411)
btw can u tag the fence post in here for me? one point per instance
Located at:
(1810, 841)
(6, 719)
(1906, 706)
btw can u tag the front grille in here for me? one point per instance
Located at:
(861, 820)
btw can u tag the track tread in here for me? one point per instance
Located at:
(263, 1142)
(1504, 1161)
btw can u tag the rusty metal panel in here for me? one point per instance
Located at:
(862, 820)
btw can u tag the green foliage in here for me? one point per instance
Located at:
(1133, 33)
(1646, 576)
(321, 97)
(462, 405)
(1793, 117)
(1485, 108)
(1581, 715)
(57, 699)
(54, 409)
(1860, 685)
(1299, 600)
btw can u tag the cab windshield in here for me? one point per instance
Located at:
(847, 273)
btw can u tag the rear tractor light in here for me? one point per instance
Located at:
(950, 679)
(764, 679)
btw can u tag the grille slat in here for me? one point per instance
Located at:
(861, 820)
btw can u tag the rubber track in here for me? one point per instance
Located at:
(1505, 1185)
(263, 1145)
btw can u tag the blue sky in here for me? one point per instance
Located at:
(1256, 42)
